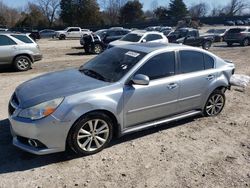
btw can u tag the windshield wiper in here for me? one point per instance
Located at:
(93, 74)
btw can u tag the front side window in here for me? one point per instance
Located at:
(159, 66)
(191, 61)
(112, 64)
(5, 41)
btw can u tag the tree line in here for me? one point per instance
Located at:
(52, 13)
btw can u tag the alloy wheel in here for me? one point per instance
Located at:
(23, 64)
(93, 135)
(215, 105)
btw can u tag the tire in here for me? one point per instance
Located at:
(22, 63)
(62, 37)
(206, 45)
(98, 49)
(84, 139)
(229, 44)
(215, 103)
(245, 42)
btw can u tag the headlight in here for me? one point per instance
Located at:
(41, 110)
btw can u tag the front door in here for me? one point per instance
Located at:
(156, 100)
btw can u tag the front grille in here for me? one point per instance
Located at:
(11, 109)
(13, 104)
(15, 100)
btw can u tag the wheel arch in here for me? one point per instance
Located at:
(23, 54)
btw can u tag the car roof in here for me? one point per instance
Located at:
(154, 46)
(145, 32)
(12, 33)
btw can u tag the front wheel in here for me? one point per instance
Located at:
(215, 103)
(98, 49)
(206, 45)
(91, 134)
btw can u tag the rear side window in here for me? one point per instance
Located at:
(152, 37)
(159, 66)
(5, 41)
(191, 61)
(22, 38)
(236, 30)
(208, 61)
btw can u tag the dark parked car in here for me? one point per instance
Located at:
(238, 35)
(98, 41)
(47, 33)
(217, 34)
(229, 23)
(239, 22)
(191, 37)
(34, 34)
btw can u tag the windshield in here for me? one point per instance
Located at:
(112, 65)
(210, 31)
(100, 33)
(219, 31)
(132, 37)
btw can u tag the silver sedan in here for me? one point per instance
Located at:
(123, 90)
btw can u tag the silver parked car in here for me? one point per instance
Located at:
(18, 50)
(123, 90)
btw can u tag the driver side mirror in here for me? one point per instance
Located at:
(140, 79)
(143, 41)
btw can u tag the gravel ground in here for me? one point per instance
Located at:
(197, 152)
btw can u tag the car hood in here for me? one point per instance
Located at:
(55, 85)
(120, 42)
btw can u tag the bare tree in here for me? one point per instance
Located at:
(49, 9)
(8, 16)
(154, 5)
(198, 10)
(112, 9)
(235, 7)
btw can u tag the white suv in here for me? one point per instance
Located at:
(140, 36)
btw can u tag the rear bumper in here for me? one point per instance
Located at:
(37, 57)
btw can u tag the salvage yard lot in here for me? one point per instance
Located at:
(198, 152)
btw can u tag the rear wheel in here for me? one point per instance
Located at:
(91, 134)
(215, 103)
(245, 42)
(22, 63)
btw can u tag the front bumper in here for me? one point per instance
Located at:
(49, 131)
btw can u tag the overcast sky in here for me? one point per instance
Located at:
(147, 3)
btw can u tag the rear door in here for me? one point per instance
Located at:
(197, 74)
(7, 49)
(159, 98)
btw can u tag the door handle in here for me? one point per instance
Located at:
(210, 77)
(172, 86)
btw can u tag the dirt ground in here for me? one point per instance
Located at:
(198, 152)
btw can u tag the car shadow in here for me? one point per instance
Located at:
(12, 159)
(77, 47)
(226, 46)
(78, 54)
(6, 69)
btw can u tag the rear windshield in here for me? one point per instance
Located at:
(132, 37)
(22, 38)
(236, 30)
